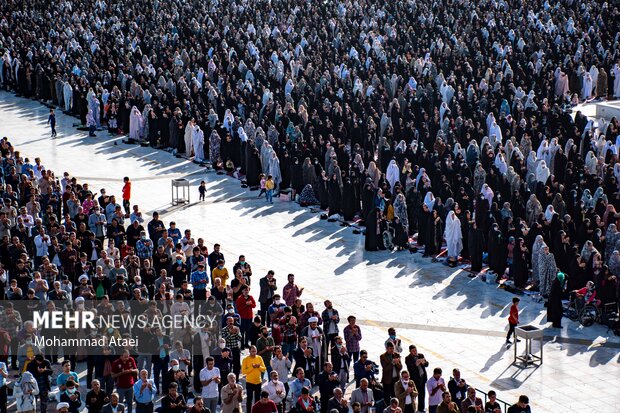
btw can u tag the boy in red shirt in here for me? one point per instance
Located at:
(513, 319)
(126, 196)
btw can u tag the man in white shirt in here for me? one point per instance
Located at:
(10, 211)
(179, 307)
(136, 215)
(188, 243)
(435, 387)
(181, 354)
(406, 393)
(27, 220)
(41, 242)
(38, 168)
(66, 180)
(276, 390)
(210, 379)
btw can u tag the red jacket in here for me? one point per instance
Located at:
(127, 191)
(514, 315)
(245, 310)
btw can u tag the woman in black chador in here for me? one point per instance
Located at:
(554, 305)
(476, 246)
(297, 182)
(374, 229)
(323, 197)
(518, 270)
(368, 199)
(497, 250)
(434, 234)
(401, 239)
(348, 200)
(423, 220)
(254, 166)
(334, 195)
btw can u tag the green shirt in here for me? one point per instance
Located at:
(261, 344)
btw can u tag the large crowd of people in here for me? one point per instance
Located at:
(447, 121)
(100, 258)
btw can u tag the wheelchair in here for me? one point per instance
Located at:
(586, 313)
(388, 235)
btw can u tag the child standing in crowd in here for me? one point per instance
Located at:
(51, 120)
(513, 319)
(91, 124)
(269, 185)
(202, 189)
(262, 185)
(127, 196)
(113, 119)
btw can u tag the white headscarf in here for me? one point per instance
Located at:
(453, 235)
(542, 172)
(549, 213)
(393, 174)
(500, 163)
(488, 194)
(429, 200)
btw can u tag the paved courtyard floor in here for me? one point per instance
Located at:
(454, 320)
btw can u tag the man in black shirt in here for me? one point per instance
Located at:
(156, 228)
(173, 402)
(416, 366)
(522, 406)
(327, 380)
(42, 371)
(214, 257)
(96, 398)
(133, 233)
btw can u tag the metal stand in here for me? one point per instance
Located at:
(184, 185)
(528, 333)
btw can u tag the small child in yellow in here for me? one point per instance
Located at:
(269, 185)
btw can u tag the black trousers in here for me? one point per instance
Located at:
(90, 369)
(253, 394)
(511, 330)
(236, 355)
(263, 312)
(43, 400)
(144, 407)
(421, 395)
(388, 392)
(200, 297)
(3, 398)
(127, 206)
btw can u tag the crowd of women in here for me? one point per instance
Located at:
(448, 118)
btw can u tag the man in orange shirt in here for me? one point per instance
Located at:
(126, 196)
(513, 319)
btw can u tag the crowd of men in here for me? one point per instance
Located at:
(290, 355)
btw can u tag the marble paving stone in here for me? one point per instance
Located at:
(454, 320)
